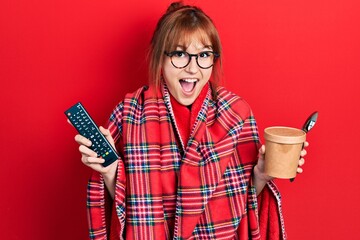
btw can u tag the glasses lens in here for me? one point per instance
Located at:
(180, 59)
(205, 59)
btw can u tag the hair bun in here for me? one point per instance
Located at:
(175, 6)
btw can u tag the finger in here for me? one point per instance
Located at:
(303, 153)
(306, 144)
(69, 122)
(262, 149)
(301, 162)
(87, 151)
(299, 170)
(105, 131)
(262, 152)
(92, 160)
(107, 134)
(82, 140)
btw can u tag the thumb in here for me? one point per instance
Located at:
(107, 135)
(262, 152)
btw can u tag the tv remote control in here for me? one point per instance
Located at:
(85, 125)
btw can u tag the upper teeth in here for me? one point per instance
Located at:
(189, 80)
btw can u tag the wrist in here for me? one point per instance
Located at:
(110, 174)
(261, 175)
(110, 180)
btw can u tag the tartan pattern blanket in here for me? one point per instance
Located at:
(213, 195)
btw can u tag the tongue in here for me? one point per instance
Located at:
(187, 86)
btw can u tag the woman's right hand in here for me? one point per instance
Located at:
(90, 158)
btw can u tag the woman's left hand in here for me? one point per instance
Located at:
(260, 167)
(261, 178)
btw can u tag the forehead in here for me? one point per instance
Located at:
(199, 39)
(194, 44)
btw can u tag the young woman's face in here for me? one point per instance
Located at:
(185, 84)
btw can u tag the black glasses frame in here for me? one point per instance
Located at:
(171, 54)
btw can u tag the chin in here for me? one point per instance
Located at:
(186, 101)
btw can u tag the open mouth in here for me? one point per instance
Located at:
(188, 84)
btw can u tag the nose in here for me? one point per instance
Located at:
(192, 67)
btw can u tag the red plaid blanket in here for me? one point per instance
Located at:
(203, 191)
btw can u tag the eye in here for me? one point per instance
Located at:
(178, 54)
(205, 54)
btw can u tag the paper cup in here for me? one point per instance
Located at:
(282, 151)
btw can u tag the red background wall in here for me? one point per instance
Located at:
(286, 58)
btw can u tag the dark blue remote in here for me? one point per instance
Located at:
(85, 125)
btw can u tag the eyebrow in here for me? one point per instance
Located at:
(184, 47)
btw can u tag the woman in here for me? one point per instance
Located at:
(190, 165)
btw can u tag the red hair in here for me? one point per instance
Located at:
(179, 24)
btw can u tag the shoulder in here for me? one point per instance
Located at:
(137, 95)
(130, 100)
(227, 100)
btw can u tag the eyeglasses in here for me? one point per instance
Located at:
(180, 59)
